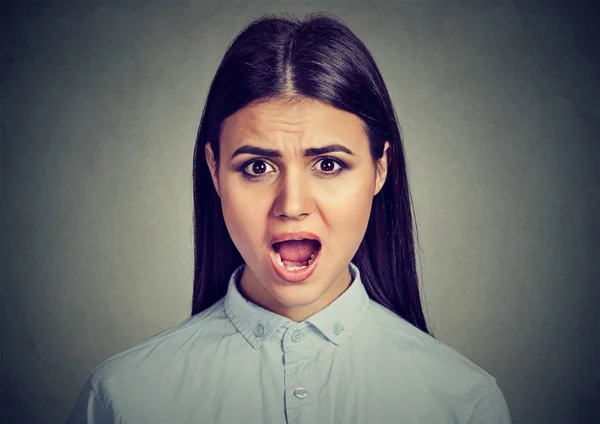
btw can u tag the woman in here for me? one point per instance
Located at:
(306, 302)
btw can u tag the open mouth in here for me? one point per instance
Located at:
(298, 263)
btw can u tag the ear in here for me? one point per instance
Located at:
(382, 167)
(212, 166)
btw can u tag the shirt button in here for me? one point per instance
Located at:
(300, 393)
(298, 336)
(337, 329)
(259, 330)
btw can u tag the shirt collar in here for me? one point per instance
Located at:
(336, 321)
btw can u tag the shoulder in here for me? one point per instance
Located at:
(420, 348)
(151, 372)
(171, 346)
(430, 366)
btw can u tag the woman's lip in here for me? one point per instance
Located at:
(294, 276)
(293, 235)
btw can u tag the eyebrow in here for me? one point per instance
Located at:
(271, 153)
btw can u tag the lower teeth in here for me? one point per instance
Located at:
(293, 268)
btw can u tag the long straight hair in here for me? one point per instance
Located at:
(318, 58)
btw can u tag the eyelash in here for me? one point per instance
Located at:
(249, 176)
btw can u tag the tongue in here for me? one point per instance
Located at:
(297, 250)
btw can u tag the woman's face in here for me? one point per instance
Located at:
(329, 195)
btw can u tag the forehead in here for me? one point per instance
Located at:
(310, 121)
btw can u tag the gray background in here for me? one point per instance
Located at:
(500, 109)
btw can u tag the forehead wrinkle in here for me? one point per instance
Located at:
(282, 141)
(285, 128)
(279, 124)
(275, 132)
(294, 141)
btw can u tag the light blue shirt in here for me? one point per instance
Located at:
(236, 362)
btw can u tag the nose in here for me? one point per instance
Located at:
(294, 198)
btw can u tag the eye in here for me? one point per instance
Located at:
(331, 163)
(257, 166)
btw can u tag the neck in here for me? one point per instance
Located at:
(253, 290)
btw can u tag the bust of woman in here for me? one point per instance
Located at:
(306, 304)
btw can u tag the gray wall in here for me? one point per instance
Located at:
(500, 109)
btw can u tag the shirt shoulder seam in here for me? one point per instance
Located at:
(99, 394)
(481, 407)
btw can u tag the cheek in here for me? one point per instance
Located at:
(347, 215)
(351, 213)
(242, 205)
(351, 203)
(244, 216)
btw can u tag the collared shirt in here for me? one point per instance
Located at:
(354, 361)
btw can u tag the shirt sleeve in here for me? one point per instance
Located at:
(89, 407)
(492, 409)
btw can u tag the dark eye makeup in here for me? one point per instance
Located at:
(243, 168)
